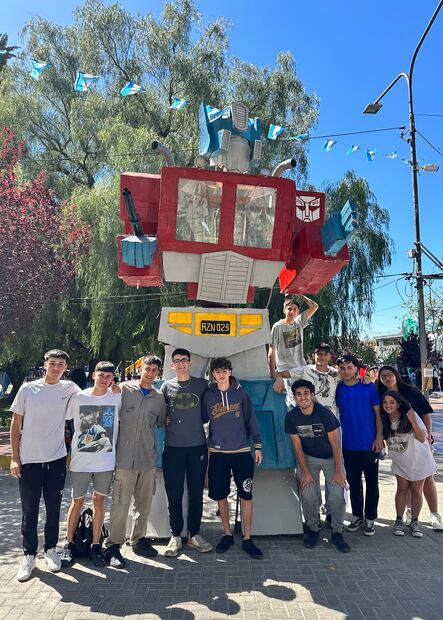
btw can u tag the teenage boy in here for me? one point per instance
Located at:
(39, 459)
(324, 378)
(362, 440)
(142, 409)
(232, 425)
(286, 348)
(315, 435)
(94, 412)
(185, 453)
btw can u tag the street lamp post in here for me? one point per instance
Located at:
(373, 108)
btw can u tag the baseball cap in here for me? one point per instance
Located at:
(323, 346)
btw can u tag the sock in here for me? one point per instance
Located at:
(399, 518)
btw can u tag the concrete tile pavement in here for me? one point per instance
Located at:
(384, 577)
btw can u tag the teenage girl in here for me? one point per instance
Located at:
(412, 461)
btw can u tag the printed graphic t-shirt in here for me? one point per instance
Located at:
(287, 340)
(43, 407)
(183, 399)
(313, 429)
(95, 431)
(325, 384)
(411, 459)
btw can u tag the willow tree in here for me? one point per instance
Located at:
(85, 140)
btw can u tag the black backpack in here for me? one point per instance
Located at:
(83, 533)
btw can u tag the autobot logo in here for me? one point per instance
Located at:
(308, 208)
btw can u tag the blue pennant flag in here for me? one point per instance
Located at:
(370, 154)
(3, 51)
(84, 80)
(328, 144)
(301, 136)
(274, 131)
(407, 161)
(131, 89)
(213, 113)
(38, 67)
(179, 103)
(392, 155)
(352, 149)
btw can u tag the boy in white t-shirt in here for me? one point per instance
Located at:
(95, 412)
(39, 456)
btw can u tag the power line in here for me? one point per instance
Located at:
(436, 115)
(436, 149)
(346, 133)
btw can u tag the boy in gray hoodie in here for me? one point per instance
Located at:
(232, 425)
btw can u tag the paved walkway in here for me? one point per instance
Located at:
(384, 577)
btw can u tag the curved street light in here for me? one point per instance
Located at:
(373, 108)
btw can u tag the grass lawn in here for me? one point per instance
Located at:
(5, 414)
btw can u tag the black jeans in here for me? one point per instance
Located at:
(358, 462)
(36, 478)
(177, 462)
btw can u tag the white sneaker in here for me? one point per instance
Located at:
(174, 546)
(408, 517)
(435, 521)
(26, 568)
(199, 543)
(53, 560)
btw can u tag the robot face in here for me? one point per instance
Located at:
(308, 208)
(240, 114)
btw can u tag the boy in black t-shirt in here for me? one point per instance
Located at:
(315, 435)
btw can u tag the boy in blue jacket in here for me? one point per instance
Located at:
(232, 425)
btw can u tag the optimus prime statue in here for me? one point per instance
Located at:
(223, 232)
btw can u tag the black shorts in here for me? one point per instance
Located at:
(222, 466)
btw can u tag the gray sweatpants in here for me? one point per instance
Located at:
(309, 495)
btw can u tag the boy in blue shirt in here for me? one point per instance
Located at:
(362, 440)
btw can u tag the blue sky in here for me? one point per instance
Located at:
(347, 52)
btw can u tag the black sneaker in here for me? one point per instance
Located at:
(369, 529)
(97, 557)
(251, 549)
(143, 547)
(114, 558)
(356, 524)
(310, 539)
(67, 554)
(224, 543)
(338, 540)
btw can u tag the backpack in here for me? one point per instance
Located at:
(83, 533)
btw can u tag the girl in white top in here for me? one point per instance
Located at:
(412, 461)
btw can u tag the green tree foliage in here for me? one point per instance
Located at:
(80, 137)
(347, 302)
(85, 140)
(5, 51)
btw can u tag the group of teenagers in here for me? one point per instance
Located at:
(334, 421)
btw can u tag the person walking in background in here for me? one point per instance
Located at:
(412, 461)
(362, 440)
(39, 459)
(389, 379)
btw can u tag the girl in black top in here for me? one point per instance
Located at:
(389, 379)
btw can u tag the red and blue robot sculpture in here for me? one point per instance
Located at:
(223, 232)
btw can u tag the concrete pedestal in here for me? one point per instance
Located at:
(276, 503)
